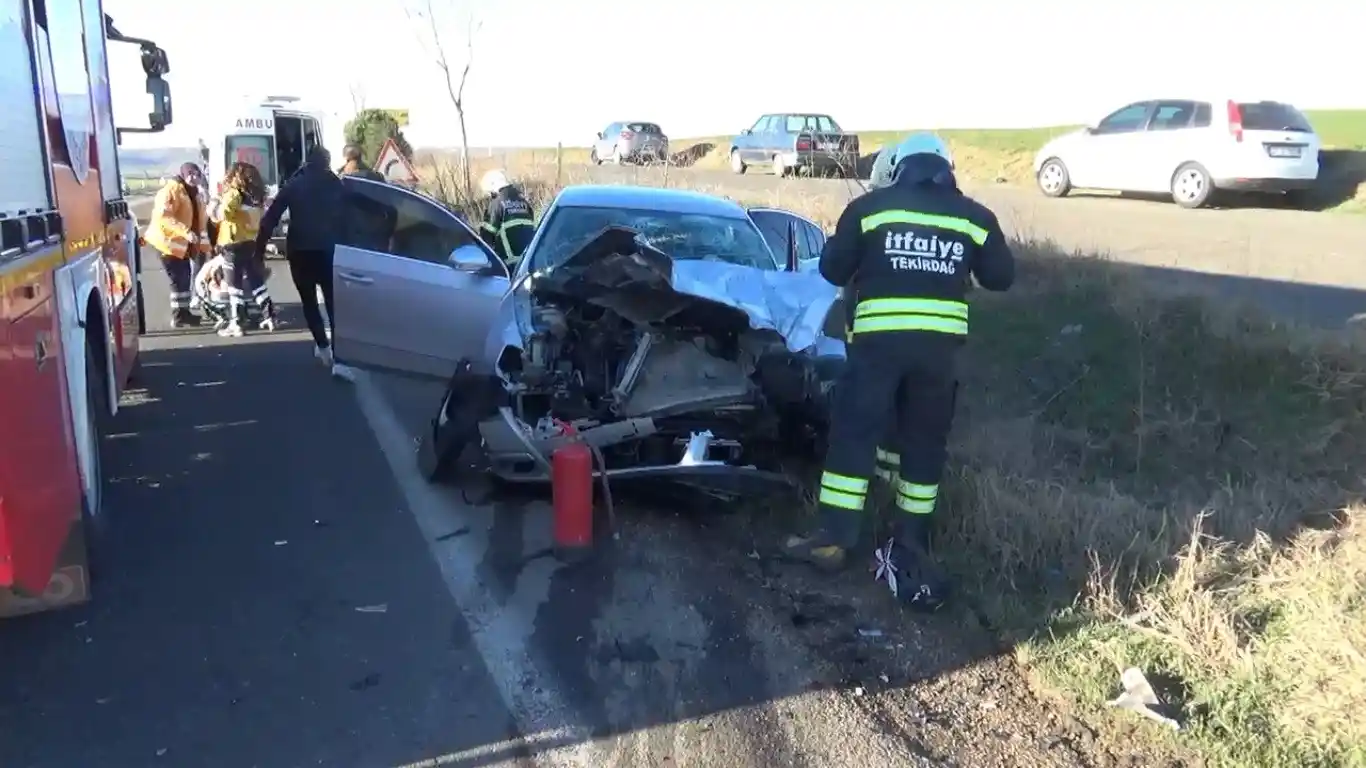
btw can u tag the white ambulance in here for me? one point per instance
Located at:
(274, 134)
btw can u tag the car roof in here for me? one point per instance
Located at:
(649, 198)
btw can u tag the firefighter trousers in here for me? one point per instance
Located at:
(906, 381)
(178, 271)
(246, 273)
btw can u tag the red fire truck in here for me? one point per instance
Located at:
(70, 294)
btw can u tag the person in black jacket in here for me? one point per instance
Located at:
(905, 255)
(314, 199)
(510, 222)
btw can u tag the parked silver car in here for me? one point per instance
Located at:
(641, 317)
(630, 141)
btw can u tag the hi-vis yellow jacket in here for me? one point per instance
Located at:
(174, 216)
(240, 222)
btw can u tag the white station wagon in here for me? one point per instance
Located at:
(1186, 148)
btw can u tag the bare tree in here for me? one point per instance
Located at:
(454, 89)
(357, 96)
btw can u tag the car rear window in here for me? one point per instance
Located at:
(1273, 116)
(645, 128)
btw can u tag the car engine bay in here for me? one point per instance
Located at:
(613, 356)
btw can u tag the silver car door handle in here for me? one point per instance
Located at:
(352, 277)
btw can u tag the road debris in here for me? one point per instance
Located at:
(1139, 696)
(377, 608)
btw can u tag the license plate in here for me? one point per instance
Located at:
(1283, 151)
(829, 146)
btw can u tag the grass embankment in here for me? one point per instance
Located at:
(1152, 481)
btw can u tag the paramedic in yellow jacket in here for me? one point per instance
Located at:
(178, 232)
(240, 208)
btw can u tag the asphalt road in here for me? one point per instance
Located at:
(280, 589)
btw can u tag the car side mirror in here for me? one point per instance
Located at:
(600, 134)
(160, 116)
(471, 259)
(746, 132)
(154, 61)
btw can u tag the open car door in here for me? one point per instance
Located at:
(416, 289)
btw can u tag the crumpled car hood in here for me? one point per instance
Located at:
(618, 271)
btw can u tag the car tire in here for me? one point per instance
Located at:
(1053, 178)
(93, 517)
(142, 305)
(779, 168)
(737, 165)
(593, 157)
(1191, 186)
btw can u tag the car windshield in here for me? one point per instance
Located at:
(683, 236)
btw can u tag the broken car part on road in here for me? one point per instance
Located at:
(640, 353)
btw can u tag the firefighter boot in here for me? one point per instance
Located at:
(826, 547)
(905, 564)
(184, 318)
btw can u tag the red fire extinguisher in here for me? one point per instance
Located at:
(571, 476)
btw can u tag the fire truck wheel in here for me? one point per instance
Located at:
(142, 310)
(96, 413)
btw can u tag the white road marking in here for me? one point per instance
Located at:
(501, 633)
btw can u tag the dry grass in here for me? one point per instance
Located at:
(1154, 481)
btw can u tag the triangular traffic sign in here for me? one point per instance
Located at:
(393, 166)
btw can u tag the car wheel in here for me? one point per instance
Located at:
(617, 158)
(1191, 186)
(736, 164)
(93, 515)
(593, 157)
(1053, 178)
(779, 167)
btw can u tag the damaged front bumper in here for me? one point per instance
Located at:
(706, 374)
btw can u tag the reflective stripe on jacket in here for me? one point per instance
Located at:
(934, 315)
(906, 255)
(509, 226)
(508, 253)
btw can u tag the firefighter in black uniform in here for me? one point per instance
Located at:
(905, 255)
(510, 222)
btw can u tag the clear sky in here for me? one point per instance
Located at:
(546, 70)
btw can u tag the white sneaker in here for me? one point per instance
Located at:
(343, 372)
(233, 330)
(324, 355)
(268, 324)
(220, 324)
(194, 302)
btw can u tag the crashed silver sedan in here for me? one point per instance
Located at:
(656, 325)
